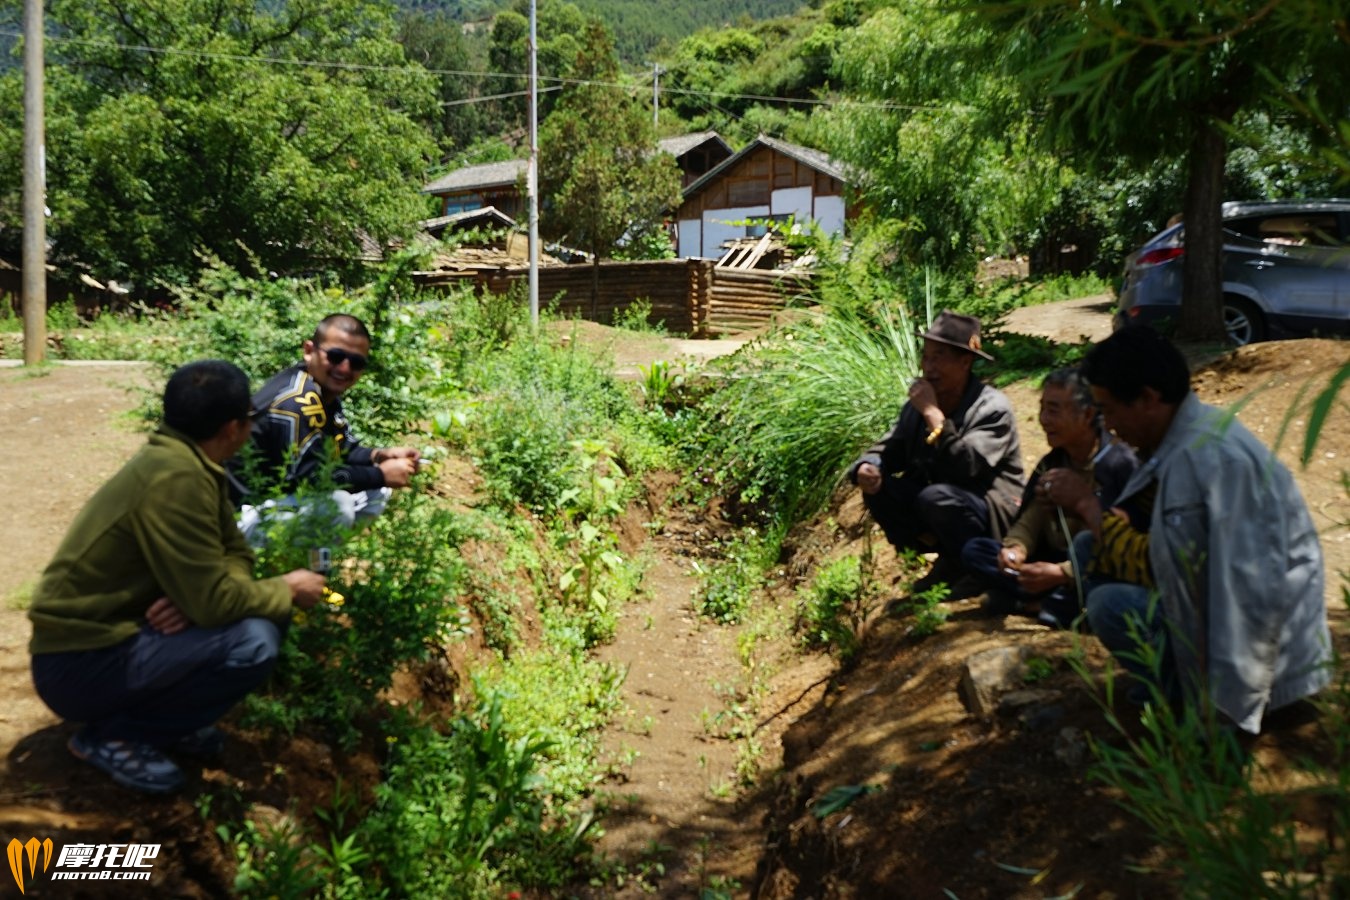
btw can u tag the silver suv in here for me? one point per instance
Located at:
(1286, 271)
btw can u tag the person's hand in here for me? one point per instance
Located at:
(399, 471)
(399, 465)
(924, 398)
(306, 587)
(166, 618)
(1066, 489)
(1010, 559)
(398, 453)
(869, 478)
(1039, 577)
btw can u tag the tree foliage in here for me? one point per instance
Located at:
(1157, 80)
(599, 170)
(954, 155)
(226, 126)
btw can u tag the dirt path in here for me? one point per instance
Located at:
(674, 827)
(673, 804)
(1067, 321)
(63, 431)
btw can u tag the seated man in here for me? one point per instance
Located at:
(1225, 574)
(950, 468)
(1032, 564)
(301, 414)
(148, 624)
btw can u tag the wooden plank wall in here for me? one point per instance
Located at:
(690, 296)
(744, 299)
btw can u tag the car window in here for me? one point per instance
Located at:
(1289, 229)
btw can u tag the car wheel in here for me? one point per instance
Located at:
(1243, 321)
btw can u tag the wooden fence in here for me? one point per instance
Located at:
(690, 296)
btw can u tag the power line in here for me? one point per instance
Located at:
(468, 100)
(468, 73)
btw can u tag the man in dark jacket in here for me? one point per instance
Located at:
(303, 429)
(148, 624)
(950, 469)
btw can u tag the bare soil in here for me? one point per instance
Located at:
(954, 803)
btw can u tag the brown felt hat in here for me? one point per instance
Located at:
(956, 330)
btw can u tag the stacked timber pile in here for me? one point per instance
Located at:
(768, 251)
(470, 263)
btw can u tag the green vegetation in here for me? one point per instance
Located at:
(833, 609)
(600, 179)
(496, 794)
(189, 130)
(233, 176)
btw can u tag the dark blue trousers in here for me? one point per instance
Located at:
(980, 558)
(154, 688)
(939, 517)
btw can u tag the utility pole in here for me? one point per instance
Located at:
(34, 191)
(656, 94)
(532, 170)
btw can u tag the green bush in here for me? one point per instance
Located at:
(463, 814)
(731, 580)
(397, 580)
(832, 609)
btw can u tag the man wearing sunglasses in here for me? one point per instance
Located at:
(301, 426)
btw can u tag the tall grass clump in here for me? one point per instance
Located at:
(803, 402)
(1228, 831)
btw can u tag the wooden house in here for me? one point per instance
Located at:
(477, 187)
(501, 184)
(696, 154)
(768, 179)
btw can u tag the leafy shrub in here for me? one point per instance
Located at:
(397, 579)
(523, 445)
(729, 583)
(540, 398)
(636, 316)
(831, 610)
(462, 813)
(928, 610)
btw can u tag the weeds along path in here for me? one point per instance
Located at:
(673, 825)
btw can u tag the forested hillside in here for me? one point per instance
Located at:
(638, 26)
(971, 131)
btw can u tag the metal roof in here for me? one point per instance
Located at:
(487, 214)
(681, 144)
(484, 175)
(817, 160)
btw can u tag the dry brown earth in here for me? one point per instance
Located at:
(962, 802)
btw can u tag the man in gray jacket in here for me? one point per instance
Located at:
(1222, 570)
(950, 469)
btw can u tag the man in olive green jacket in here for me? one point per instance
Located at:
(148, 624)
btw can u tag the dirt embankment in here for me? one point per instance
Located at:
(944, 801)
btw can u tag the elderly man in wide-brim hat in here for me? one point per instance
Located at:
(950, 469)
